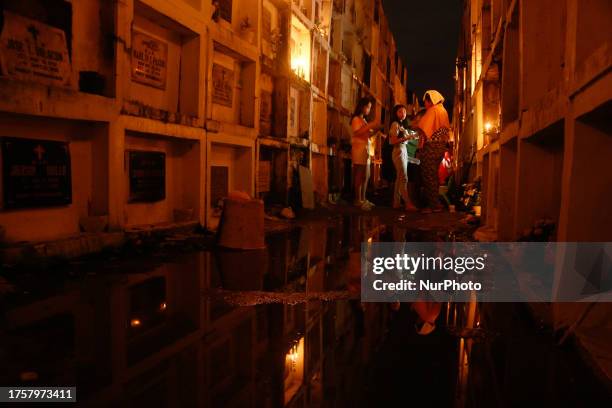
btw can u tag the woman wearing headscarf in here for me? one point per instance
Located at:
(436, 127)
(399, 137)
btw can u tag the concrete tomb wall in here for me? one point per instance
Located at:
(89, 180)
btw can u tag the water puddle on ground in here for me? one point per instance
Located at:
(278, 327)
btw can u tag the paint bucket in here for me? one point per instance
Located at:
(242, 224)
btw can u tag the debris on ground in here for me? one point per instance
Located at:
(253, 298)
(471, 196)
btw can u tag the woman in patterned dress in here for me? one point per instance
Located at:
(436, 127)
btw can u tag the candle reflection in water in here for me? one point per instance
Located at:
(294, 369)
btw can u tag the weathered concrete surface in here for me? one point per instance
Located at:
(90, 243)
(167, 227)
(68, 248)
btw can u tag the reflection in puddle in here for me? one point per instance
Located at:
(294, 370)
(265, 328)
(277, 327)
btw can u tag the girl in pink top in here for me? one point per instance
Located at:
(360, 151)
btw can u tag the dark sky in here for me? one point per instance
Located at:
(426, 33)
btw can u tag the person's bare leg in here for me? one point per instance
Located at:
(399, 177)
(401, 180)
(364, 185)
(357, 183)
(396, 193)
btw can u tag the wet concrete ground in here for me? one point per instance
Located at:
(183, 325)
